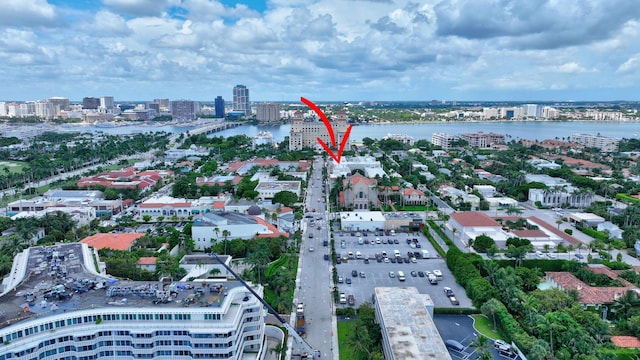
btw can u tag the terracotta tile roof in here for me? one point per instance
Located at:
(529, 233)
(626, 341)
(588, 295)
(555, 230)
(284, 210)
(111, 241)
(274, 230)
(147, 260)
(355, 179)
(474, 218)
(413, 191)
(218, 205)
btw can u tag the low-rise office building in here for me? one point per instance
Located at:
(406, 321)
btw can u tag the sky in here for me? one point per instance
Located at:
(324, 50)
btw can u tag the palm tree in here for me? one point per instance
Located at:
(225, 233)
(623, 305)
(279, 349)
(482, 347)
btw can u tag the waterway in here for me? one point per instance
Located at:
(532, 130)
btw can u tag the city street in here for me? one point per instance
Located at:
(314, 275)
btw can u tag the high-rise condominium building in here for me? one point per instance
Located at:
(164, 104)
(90, 103)
(60, 103)
(183, 110)
(106, 102)
(305, 132)
(219, 107)
(268, 112)
(45, 109)
(241, 99)
(56, 306)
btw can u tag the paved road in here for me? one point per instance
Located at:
(314, 275)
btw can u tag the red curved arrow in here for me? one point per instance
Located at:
(327, 124)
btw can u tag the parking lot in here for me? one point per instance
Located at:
(377, 273)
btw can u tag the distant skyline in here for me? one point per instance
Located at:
(324, 50)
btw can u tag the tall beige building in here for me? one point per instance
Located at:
(305, 132)
(268, 112)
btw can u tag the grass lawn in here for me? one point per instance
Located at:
(15, 167)
(345, 327)
(483, 326)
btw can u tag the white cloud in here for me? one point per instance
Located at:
(140, 7)
(107, 23)
(402, 49)
(632, 64)
(27, 13)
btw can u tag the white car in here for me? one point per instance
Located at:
(311, 248)
(387, 260)
(392, 274)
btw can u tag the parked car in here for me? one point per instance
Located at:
(392, 274)
(348, 281)
(454, 345)
(354, 273)
(453, 300)
(343, 298)
(340, 280)
(420, 273)
(362, 274)
(448, 291)
(414, 274)
(351, 300)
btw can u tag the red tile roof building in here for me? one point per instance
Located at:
(587, 294)
(126, 179)
(111, 241)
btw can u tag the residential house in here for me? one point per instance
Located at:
(147, 263)
(414, 197)
(590, 295)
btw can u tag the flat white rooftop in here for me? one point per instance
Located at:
(353, 216)
(406, 323)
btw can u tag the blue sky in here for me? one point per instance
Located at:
(324, 50)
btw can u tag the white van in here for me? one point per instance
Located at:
(396, 253)
(401, 276)
(425, 254)
(438, 274)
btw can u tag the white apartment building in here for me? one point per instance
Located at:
(443, 140)
(305, 132)
(403, 138)
(604, 143)
(106, 103)
(567, 197)
(88, 315)
(550, 113)
(604, 115)
(44, 109)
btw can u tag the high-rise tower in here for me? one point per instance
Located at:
(241, 99)
(219, 106)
